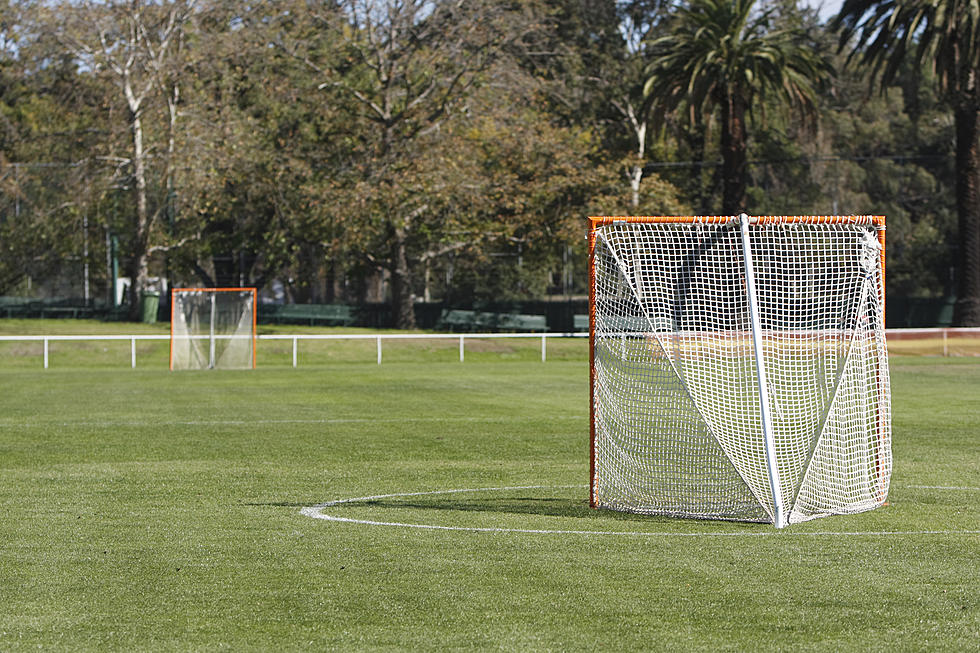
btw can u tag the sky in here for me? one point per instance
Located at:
(828, 8)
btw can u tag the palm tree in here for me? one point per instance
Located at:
(946, 35)
(725, 54)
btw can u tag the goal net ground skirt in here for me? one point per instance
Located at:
(212, 328)
(739, 368)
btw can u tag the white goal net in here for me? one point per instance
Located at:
(212, 328)
(739, 368)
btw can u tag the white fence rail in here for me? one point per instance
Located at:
(461, 337)
(929, 342)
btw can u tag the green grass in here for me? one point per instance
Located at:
(142, 509)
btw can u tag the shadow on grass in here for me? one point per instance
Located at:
(520, 505)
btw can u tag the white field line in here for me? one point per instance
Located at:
(316, 512)
(239, 422)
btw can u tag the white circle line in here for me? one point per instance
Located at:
(315, 512)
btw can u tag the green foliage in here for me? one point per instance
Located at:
(718, 49)
(942, 35)
(451, 151)
(724, 55)
(916, 190)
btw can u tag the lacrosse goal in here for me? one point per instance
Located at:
(738, 366)
(212, 328)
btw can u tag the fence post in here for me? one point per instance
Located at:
(132, 352)
(45, 353)
(945, 345)
(379, 350)
(294, 351)
(461, 349)
(544, 348)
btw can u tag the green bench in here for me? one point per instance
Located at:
(581, 322)
(325, 314)
(33, 308)
(73, 312)
(460, 320)
(15, 310)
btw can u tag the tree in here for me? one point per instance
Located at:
(404, 70)
(49, 121)
(136, 45)
(255, 138)
(946, 35)
(725, 54)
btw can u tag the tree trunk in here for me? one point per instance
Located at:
(636, 173)
(696, 141)
(139, 264)
(967, 310)
(402, 299)
(733, 155)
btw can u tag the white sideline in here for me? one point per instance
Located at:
(316, 512)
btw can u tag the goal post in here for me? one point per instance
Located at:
(212, 328)
(738, 366)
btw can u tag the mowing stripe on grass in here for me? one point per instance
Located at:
(316, 512)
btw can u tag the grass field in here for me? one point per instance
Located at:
(143, 509)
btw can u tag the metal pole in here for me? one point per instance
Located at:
(294, 352)
(114, 247)
(461, 349)
(108, 269)
(17, 186)
(760, 367)
(85, 256)
(544, 348)
(211, 357)
(379, 350)
(45, 353)
(132, 352)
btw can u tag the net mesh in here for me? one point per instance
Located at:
(678, 426)
(212, 329)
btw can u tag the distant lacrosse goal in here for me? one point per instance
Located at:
(212, 328)
(738, 367)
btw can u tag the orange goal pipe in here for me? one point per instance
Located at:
(592, 237)
(877, 220)
(252, 290)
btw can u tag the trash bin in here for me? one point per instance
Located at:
(150, 306)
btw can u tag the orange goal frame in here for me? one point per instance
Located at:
(255, 312)
(595, 222)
